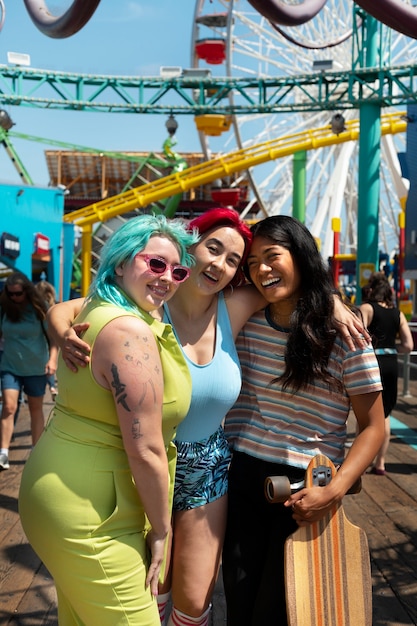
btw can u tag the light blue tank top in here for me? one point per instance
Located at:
(215, 386)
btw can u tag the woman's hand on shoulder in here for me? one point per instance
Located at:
(60, 317)
(75, 351)
(350, 326)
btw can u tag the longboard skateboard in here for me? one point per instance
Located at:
(327, 565)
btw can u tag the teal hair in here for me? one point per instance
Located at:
(129, 240)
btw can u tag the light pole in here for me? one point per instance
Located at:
(171, 125)
(5, 120)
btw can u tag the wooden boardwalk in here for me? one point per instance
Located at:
(386, 508)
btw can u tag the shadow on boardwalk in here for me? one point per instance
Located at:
(386, 508)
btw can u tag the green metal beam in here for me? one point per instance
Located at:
(299, 175)
(151, 158)
(368, 172)
(186, 95)
(14, 157)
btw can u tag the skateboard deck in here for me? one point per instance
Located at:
(327, 566)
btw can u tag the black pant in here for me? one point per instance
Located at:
(253, 553)
(388, 366)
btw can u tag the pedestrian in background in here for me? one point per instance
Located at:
(28, 357)
(390, 335)
(48, 293)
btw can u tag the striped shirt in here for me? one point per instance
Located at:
(277, 425)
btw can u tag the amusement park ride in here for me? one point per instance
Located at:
(257, 73)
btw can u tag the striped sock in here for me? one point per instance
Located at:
(163, 599)
(177, 618)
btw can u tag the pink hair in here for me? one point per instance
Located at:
(214, 218)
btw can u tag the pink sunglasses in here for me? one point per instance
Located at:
(158, 265)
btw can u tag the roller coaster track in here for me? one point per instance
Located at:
(238, 161)
(140, 197)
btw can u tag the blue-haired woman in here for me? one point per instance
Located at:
(95, 492)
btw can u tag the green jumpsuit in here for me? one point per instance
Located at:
(78, 503)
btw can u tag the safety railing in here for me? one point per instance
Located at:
(408, 364)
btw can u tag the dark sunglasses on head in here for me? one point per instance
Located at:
(14, 294)
(158, 265)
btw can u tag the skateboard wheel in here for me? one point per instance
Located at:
(277, 488)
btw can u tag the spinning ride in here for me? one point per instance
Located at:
(331, 41)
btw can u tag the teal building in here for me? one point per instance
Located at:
(33, 238)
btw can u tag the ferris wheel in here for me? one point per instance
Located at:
(249, 45)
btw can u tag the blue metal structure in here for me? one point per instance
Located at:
(410, 261)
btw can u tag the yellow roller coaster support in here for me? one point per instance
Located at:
(86, 249)
(391, 123)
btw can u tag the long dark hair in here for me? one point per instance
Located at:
(378, 289)
(312, 325)
(14, 311)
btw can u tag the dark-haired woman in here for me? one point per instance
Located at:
(386, 323)
(27, 357)
(300, 380)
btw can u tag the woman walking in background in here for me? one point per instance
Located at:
(48, 294)
(28, 357)
(386, 324)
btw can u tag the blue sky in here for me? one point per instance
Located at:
(124, 37)
(137, 37)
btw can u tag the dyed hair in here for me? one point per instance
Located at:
(15, 311)
(312, 328)
(215, 218)
(129, 240)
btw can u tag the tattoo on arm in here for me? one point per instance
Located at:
(119, 388)
(136, 429)
(145, 389)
